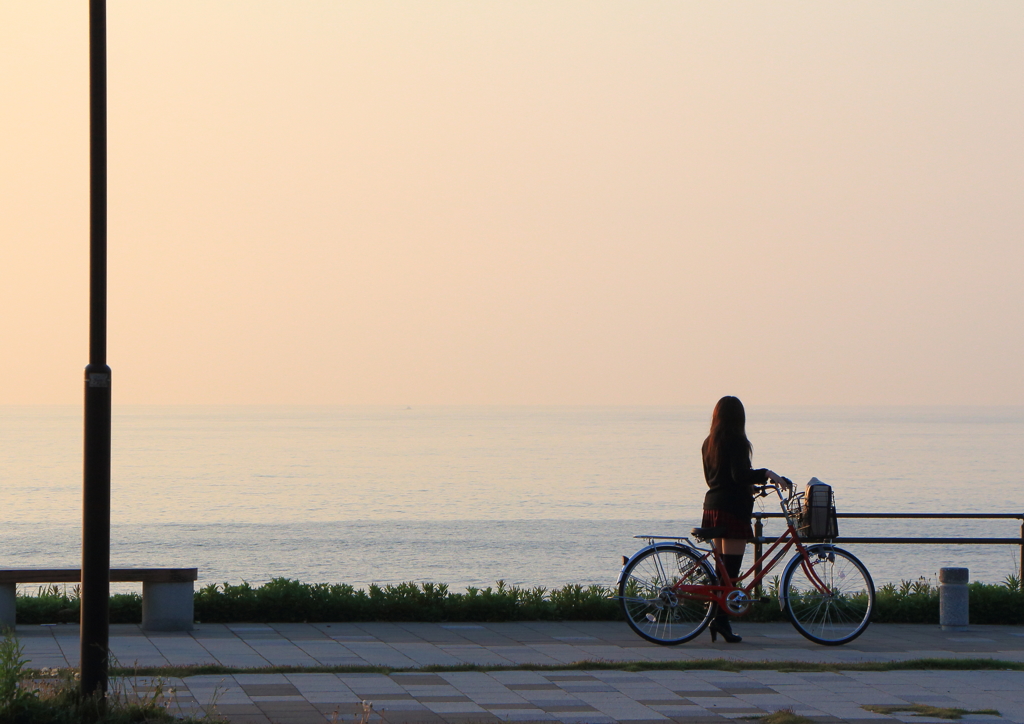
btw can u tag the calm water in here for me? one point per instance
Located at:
(469, 495)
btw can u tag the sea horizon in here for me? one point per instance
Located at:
(470, 494)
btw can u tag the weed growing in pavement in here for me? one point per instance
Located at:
(361, 717)
(12, 665)
(52, 696)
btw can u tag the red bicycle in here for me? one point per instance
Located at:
(669, 589)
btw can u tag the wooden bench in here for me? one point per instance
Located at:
(167, 593)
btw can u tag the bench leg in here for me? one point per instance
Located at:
(8, 604)
(167, 606)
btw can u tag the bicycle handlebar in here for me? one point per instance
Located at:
(764, 489)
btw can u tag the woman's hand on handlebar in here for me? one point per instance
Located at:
(783, 483)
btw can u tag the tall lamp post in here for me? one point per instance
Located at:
(95, 621)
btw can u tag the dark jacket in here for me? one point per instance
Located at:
(730, 479)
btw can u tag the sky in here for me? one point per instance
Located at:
(313, 202)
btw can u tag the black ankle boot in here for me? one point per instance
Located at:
(722, 625)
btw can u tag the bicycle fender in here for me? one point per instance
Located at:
(664, 545)
(795, 561)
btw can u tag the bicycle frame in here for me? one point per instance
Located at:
(669, 592)
(778, 550)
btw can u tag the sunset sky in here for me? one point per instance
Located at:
(326, 202)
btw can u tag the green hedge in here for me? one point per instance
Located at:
(283, 600)
(918, 602)
(56, 604)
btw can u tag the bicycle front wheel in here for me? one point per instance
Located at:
(654, 608)
(829, 596)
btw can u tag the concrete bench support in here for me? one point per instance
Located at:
(167, 606)
(167, 603)
(8, 605)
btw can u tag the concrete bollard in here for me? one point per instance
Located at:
(953, 599)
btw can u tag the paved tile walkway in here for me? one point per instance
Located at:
(600, 697)
(566, 696)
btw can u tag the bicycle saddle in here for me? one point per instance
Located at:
(705, 534)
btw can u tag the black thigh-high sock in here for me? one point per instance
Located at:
(733, 564)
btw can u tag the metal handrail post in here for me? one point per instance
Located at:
(758, 533)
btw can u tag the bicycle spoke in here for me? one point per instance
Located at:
(653, 606)
(839, 613)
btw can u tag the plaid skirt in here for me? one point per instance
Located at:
(735, 527)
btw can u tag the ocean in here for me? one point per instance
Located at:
(534, 496)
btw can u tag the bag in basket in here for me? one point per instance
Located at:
(818, 517)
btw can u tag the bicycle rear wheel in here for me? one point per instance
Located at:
(837, 615)
(653, 609)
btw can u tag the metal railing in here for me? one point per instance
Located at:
(760, 539)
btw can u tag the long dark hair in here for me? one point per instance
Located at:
(728, 428)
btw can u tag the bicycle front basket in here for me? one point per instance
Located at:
(817, 520)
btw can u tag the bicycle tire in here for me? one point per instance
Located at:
(652, 610)
(828, 619)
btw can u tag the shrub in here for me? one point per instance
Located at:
(284, 600)
(592, 603)
(909, 602)
(55, 604)
(918, 602)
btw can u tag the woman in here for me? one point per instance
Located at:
(730, 497)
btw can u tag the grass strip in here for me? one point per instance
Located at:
(782, 716)
(938, 712)
(692, 665)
